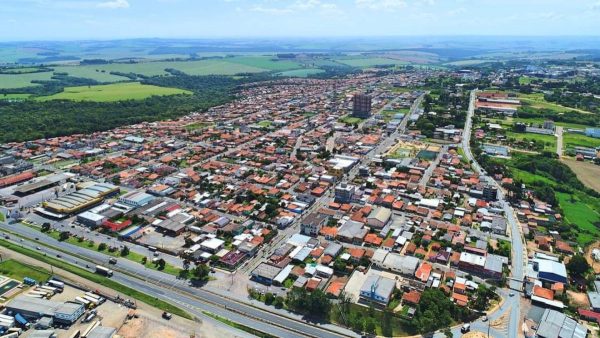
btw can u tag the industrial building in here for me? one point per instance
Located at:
(36, 308)
(136, 199)
(89, 195)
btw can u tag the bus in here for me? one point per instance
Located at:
(104, 271)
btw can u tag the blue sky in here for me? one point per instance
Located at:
(110, 19)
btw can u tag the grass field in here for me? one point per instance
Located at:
(14, 96)
(388, 114)
(368, 61)
(112, 92)
(578, 212)
(18, 271)
(549, 140)
(348, 119)
(579, 140)
(264, 62)
(301, 72)
(536, 100)
(22, 80)
(265, 124)
(89, 72)
(198, 126)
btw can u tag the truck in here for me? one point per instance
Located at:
(57, 284)
(24, 323)
(50, 289)
(29, 281)
(104, 271)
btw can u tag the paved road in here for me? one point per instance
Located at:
(174, 290)
(517, 261)
(559, 141)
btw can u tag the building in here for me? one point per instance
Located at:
(404, 265)
(312, 224)
(352, 232)
(212, 245)
(550, 271)
(554, 324)
(90, 219)
(344, 193)
(136, 199)
(361, 106)
(499, 226)
(90, 195)
(490, 193)
(265, 273)
(592, 132)
(36, 308)
(377, 289)
(379, 217)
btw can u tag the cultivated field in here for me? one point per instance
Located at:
(537, 100)
(22, 80)
(586, 172)
(112, 92)
(368, 61)
(301, 72)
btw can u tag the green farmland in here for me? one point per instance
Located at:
(113, 92)
(301, 72)
(363, 62)
(577, 211)
(22, 80)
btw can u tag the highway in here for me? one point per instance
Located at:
(173, 290)
(518, 259)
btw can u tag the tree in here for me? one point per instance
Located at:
(269, 298)
(124, 251)
(161, 264)
(448, 333)
(64, 235)
(102, 246)
(201, 272)
(578, 265)
(370, 325)
(46, 227)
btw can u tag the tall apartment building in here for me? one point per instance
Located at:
(361, 105)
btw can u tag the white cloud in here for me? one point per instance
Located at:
(381, 4)
(595, 6)
(113, 4)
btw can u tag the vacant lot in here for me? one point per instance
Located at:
(537, 100)
(548, 140)
(349, 119)
(586, 172)
(18, 271)
(112, 92)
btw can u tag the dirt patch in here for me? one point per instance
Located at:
(586, 172)
(474, 334)
(588, 256)
(579, 299)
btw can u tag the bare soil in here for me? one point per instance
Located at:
(586, 172)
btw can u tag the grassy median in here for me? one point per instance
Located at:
(107, 282)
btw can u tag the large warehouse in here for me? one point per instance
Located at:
(36, 308)
(89, 195)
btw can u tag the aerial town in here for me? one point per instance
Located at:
(314, 168)
(333, 191)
